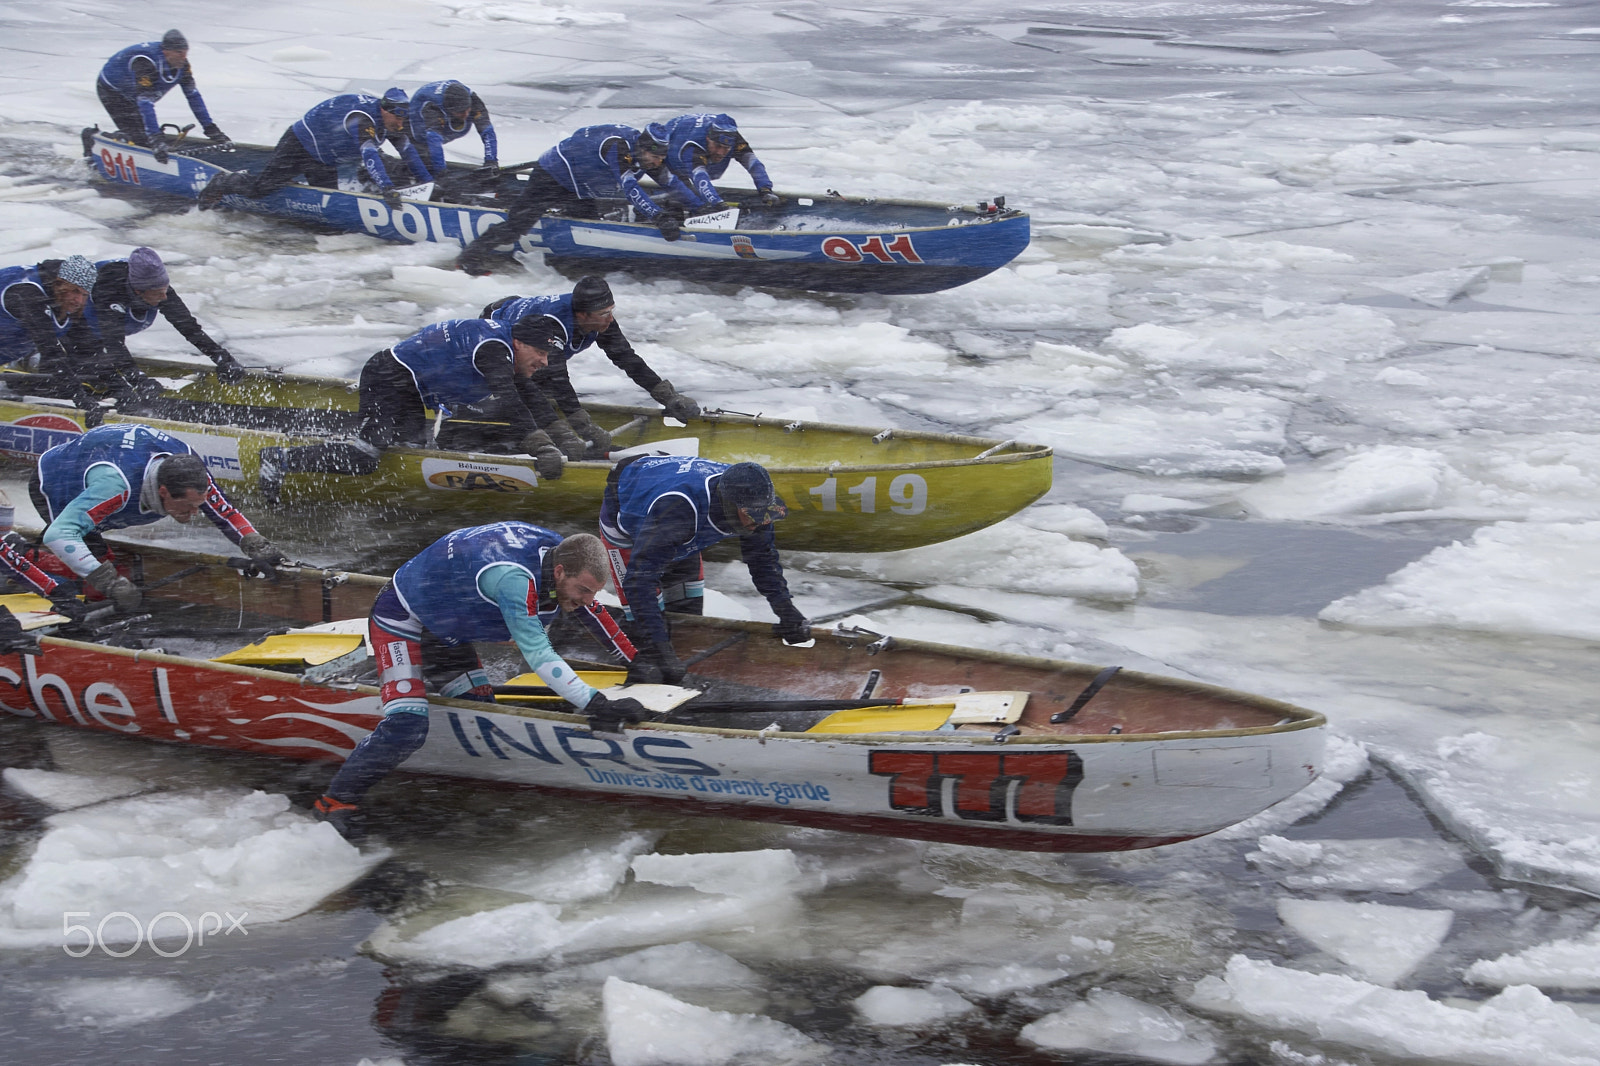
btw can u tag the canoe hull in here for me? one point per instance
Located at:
(860, 505)
(1192, 759)
(865, 246)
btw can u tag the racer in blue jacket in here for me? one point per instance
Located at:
(658, 514)
(595, 163)
(346, 129)
(500, 582)
(469, 368)
(113, 477)
(42, 315)
(583, 317)
(135, 78)
(442, 111)
(699, 149)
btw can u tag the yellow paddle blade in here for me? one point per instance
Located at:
(32, 611)
(600, 679)
(294, 649)
(920, 719)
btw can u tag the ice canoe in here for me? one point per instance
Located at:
(823, 242)
(849, 488)
(860, 732)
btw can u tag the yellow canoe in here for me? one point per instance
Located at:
(849, 488)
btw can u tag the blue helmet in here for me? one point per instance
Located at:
(395, 100)
(653, 138)
(723, 130)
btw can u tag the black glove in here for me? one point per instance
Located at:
(584, 426)
(391, 196)
(229, 372)
(657, 665)
(105, 580)
(677, 404)
(64, 602)
(217, 136)
(158, 148)
(608, 715)
(547, 458)
(670, 225)
(768, 197)
(571, 445)
(262, 551)
(791, 626)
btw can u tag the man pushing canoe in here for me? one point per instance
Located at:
(500, 582)
(113, 477)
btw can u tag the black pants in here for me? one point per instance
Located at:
(540, 193)
(124, 111)
(391, 413)
(290, 161)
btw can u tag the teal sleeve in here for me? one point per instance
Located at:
(510, 588)
(102, 484)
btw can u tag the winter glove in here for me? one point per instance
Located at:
(791, 626)
(670, 225)
(677, 404)
(229, 372)
(658, 665)
(584, 426)
(262, 552)
(391, 196)
(105, 580)
(219, 138)
(608, 715)
(571, 445)
(158, 148)
(64, 602)
(547, 458)
(768, 197)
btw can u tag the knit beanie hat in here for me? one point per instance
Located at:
(145, 270)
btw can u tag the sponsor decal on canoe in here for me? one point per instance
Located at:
(221, 454)
(1016, 786)
(32, 435)
(744, 246)
(459, 475)
(844, 250)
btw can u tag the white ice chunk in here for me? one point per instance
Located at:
(891, 1005)
(1118, 1024)
(687, 965)
(1378, 480)
(999, 980)
(1518, 1027)
(1572, 963)
(1512, 577)
(1380, 943)
(1389, 864)
(647, 1027)
(217, 851)
(116, 1002)
(745, 874)
(1438, 287)
(64, 791)
(1011, 557)
(522, 932)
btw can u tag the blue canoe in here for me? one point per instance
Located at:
(828, 243)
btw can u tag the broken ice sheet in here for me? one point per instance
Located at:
(1389, 864)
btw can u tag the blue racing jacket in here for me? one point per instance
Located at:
(493, 583)
(148, 81)
(431, 128)
(348, 129)
(442, 360)
(690, 160)
(15, 340)
(104, 479)
(598, 162)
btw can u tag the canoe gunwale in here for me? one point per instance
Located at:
(819, 199)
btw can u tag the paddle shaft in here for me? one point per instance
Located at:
(696, 706)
